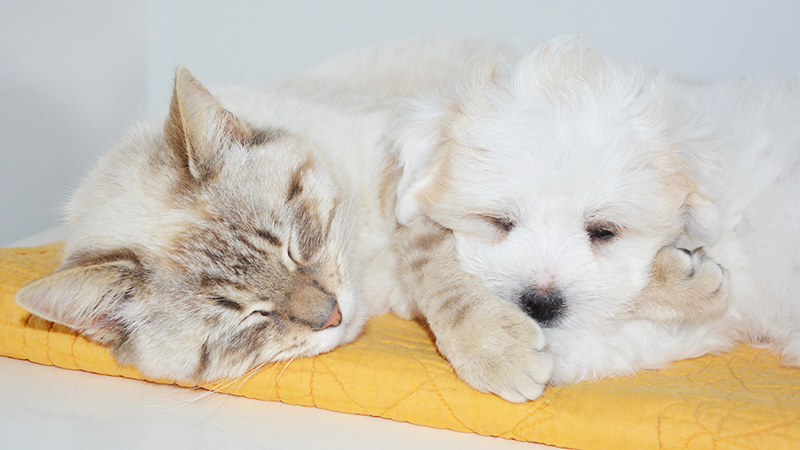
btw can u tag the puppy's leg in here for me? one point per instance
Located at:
(491, 344)
(685, 287)
(790, 355)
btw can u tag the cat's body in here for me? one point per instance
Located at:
(257, 225)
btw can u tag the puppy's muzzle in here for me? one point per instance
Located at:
(545, 308)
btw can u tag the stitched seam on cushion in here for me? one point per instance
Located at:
(311, 382)
(47, 343)
(659, 420)
(339, 382)
(416, 389)
(524, 420)
(15, 324)
(274, 366)
(755, 432)
(25, 339)
(72, 350)
(447, 405)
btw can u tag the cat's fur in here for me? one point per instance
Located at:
(257, 224)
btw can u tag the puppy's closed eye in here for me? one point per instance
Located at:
(492, 228)
(503, 224)
(601, 232)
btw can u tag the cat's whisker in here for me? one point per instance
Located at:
(240, 381)
(275, 384)
(209, 389)
(206, 392)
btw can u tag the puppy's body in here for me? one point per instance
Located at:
(740, 143)
(571, 182)
(748, 163)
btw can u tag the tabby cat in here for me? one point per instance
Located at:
(256, 224)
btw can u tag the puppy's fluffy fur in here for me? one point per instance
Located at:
(572, 182)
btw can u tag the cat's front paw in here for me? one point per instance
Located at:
(685, 286)
(499, 350)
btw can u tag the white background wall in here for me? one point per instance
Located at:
(74, 74)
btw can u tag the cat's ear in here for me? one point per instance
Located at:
(198, 129)
(86, 298)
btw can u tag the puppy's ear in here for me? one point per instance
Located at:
(563, 59)
(420, 138)
(425, 128)
(702, 218)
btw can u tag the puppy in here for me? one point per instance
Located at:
(573, 184)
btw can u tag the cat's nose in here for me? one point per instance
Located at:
(335, 319)
(544, 307)
(310, 304)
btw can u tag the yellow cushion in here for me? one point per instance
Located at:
(743, 399)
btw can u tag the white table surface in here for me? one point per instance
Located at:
(48, 407)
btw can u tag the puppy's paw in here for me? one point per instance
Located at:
(499, 350)
(685, 286)
(492, 345)
(790, 354)
(693, 272)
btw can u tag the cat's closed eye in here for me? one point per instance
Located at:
(227, 303)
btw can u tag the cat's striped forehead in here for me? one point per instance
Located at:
(220, 256)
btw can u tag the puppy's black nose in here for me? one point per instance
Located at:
(546, 309)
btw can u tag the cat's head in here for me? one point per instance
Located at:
(203, 246)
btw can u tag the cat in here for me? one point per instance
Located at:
(256, 224)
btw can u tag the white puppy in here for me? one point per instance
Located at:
(572, 182)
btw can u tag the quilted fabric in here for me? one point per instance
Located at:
(738, 400)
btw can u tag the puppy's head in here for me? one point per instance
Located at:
(559, 179)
